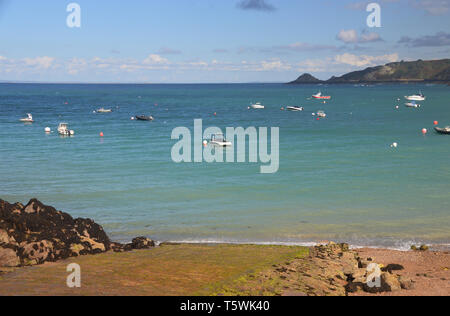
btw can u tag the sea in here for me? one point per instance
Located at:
(339, 177)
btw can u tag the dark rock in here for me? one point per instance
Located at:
(393, 267)
(36, 233)
(142, 243)
(424, 248)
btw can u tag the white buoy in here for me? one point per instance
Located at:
(314, 114)
(394, 145)
(205, 143)
(48, 130)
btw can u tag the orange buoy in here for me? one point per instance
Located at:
(435, 122)
(101, 134)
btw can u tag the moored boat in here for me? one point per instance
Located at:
(412, 105)
(219, 140)
(257, 106)
(63, 129)
(319, 96)
(28, 119)
(144, 118)
(445, 130)
(103, 110)
(416, 97)
(294, 108)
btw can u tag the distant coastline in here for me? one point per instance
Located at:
(431, 71)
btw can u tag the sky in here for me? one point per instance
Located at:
(213, 41)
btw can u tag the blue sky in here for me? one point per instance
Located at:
(184, 41)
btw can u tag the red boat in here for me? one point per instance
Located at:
(321, 97)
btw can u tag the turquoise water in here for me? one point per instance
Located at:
(338, 179)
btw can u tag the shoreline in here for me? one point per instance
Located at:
(183, 269)
(438, 247)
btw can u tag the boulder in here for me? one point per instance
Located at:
(8, 258)
(389, 282)
(406, 283)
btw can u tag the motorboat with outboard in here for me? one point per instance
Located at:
(257, 106)
(28, 119)
(144, 118)
(103, 110)
(219, 140)
(321, 114)
(294, 108)
(319, 96)
(63, 129)
(412, 105)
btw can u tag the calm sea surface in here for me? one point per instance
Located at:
(338, 178)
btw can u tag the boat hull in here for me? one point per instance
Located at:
(442, 131)
(144, 118)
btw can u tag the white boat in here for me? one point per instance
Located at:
(416, 97)
(412, 105)
(219, 140)
(28, 119)
(103, 110)
(257, 106)
(294, 108)
(321, 114)
(63, 129)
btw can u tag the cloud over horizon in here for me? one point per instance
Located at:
(437, 40)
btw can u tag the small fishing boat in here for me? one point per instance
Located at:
(63, 129)
(144, 118)
(319, 96)
(294, 108)
(103, 110)
(321, 114)
(412, 105)
(257, 106)
(445, 130)
(28, 119)
(219, 140)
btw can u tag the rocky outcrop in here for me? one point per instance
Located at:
(306, 79)
(35, 233)
(335, 270)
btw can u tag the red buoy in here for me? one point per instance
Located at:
(101, 134)
(435, 122)
(424, 131)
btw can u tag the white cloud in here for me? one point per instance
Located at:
(44, 62)
(348, 36)
(352, 37)
(154, 59)
(365, 60)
